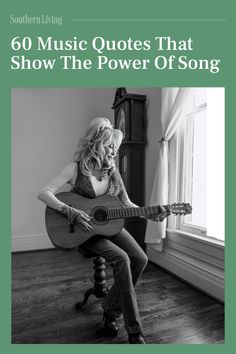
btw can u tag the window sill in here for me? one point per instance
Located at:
(202, 239)
(198, 247)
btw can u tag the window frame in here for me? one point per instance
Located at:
(176, 184)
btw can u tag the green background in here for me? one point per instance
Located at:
(211, 26)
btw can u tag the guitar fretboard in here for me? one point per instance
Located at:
(122, 213)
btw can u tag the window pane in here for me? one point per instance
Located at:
(196, 168)
(200, 97)
(197, 165)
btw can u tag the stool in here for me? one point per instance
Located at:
(100, 288)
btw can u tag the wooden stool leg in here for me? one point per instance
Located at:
(100, 288)
(79, 305)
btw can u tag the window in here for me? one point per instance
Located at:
(197, 164)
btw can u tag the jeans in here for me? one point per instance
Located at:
(128, 261)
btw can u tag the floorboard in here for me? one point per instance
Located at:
(47, 284)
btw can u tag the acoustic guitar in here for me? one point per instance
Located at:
(107, 218)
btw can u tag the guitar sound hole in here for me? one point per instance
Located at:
(99, 215)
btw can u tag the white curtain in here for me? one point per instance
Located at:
(174, 102)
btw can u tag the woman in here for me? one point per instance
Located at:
(91, 174)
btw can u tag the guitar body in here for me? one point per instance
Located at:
(107, 218)
(64, 236)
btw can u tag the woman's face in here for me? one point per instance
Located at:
(110, 154)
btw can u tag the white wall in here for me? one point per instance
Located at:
(102, 101)
(46, 126)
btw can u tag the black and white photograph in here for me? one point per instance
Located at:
(118, 215)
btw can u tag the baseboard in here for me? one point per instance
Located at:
(198, 274)
(30, 243)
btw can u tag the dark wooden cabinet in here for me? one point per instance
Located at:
(129, 111)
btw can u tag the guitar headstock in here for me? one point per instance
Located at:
(181, 208)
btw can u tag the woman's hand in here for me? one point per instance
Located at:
(77, 216)
(82, 220)
(161, 215)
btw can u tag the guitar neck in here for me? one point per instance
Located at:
(123, 213)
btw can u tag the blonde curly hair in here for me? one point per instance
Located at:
(90, 152)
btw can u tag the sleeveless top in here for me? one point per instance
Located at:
(83, 185)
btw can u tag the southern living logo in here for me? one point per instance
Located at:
(104, 49)
(43, 19)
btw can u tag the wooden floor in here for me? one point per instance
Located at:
(46, 284)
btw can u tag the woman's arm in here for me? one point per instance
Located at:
(127, 203)
(123, 195)
(124, 198)
(47, 193)
(47, 196)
